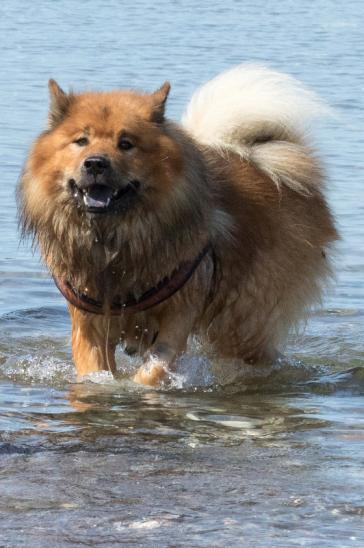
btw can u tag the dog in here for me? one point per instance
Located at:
(156, 231)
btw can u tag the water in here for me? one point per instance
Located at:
(274, 459)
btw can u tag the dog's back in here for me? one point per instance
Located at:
(255, 123)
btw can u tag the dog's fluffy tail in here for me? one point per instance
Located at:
(263, 115)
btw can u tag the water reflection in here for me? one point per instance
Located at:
(121, 462)
(99, 411)
(194, 464)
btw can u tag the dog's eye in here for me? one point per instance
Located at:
(125, 144)
(81, 142)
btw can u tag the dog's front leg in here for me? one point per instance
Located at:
(171, 341)
(93, 343)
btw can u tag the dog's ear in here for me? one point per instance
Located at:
(59, 103)
(159, 102)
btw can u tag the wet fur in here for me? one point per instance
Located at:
(238, 174)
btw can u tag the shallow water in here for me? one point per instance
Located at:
(225, 457)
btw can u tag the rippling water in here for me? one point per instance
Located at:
(226, 456)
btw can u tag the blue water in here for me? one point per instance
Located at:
(275, 460)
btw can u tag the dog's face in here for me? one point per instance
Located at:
(104, 154)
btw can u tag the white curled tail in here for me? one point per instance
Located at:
(263, 115)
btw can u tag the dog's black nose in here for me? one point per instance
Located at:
(96, 165)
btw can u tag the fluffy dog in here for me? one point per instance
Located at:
(155, 231)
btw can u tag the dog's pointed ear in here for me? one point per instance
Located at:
(58, 105)
(159, 102)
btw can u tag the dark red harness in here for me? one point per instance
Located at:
(154, 296)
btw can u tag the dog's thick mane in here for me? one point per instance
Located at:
(75, 245)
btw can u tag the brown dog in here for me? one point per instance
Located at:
(155, 231)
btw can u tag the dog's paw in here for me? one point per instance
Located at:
(154, 373)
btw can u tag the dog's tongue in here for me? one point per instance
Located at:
(97, 196)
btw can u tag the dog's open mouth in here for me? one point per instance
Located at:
(98, 198)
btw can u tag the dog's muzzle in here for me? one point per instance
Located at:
(97, 190)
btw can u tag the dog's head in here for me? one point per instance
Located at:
(103, 153)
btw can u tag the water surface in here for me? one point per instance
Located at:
(273, 457)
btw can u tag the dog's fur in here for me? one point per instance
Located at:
(237, 175)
